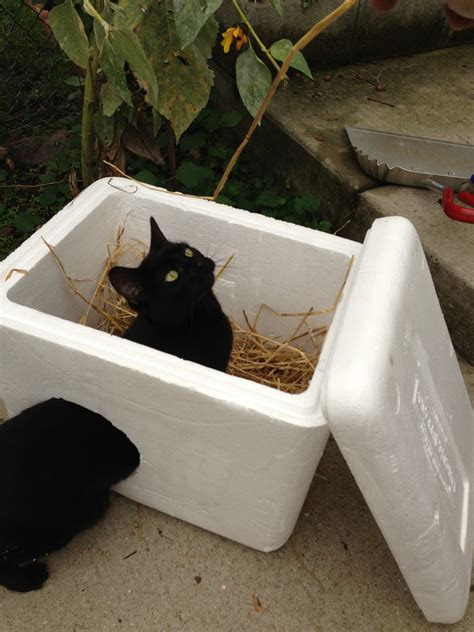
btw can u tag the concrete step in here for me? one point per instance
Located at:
(361, 34)
(430, 95)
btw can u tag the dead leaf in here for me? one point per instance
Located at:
(257, 604)
(72, 181)
(115, 153)
(19, 270)
(140, 140)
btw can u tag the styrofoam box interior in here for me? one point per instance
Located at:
(224, 453)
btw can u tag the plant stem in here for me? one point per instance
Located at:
(95, 13)
(171, 151)
(88, 106)
(263, 48)
(300, 44)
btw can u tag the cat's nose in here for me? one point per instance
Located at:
(207, 264)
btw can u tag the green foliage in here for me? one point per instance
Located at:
(112, 63)
(104, 127)
(201, 157)
(110, 99)
(190, 16)
(26, 222)
(279, 50)
(183, 76)
(68, 29)
(23, 210)
(202, 154)
(269, 199)
(150, 58)
(158, 52)
(34, 96)
(129, 49)
(146, 176)
(253, 79)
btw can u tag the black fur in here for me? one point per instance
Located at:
(182, 317)
(57, 464)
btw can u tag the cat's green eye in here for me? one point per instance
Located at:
(171, 276)
(188, 252)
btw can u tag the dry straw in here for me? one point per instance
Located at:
(287, 364)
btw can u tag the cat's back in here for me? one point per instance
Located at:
(44, 425)
(61, 444)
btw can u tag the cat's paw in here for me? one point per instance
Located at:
(25, 578)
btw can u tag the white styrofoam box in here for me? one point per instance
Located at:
(224, 453)
(236, 457)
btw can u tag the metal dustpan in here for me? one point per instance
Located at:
(418, 162)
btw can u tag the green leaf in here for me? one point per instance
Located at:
(307, 203)
(190, 16)
(211, 120)
(162, 140)
(112, 63)
(110, 99)
(133, 12)
(184, 78)
(223, 199)
(278, 6)
(325, 226)
(99, 34)
(26, 222)
(3, 175)
(104, 127)
(220, 151)
(47, 197)
(253, 80)
(193, 141)
(75, 81)
(63, 188)
(157, 121)
(129, 47)
(230, 119)
(269, 198)
(69, 30)
(146, 176)
(193, 175)
(279, 50)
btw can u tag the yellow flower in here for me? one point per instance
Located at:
(233, 32)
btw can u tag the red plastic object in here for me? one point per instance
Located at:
(457, 211)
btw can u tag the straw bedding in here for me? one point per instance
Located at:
(286, 364)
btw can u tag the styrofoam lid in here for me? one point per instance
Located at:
(395, 400)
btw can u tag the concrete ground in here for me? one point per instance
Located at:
(142, 570)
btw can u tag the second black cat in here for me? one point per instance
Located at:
(58, 462)
(177, 310)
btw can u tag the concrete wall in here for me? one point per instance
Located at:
(360, 35)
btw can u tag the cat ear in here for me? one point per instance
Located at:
(158, 240)
(128, 282)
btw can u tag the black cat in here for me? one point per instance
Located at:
(57, 464)
(177, 310)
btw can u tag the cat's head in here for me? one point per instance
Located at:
(169, 283)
